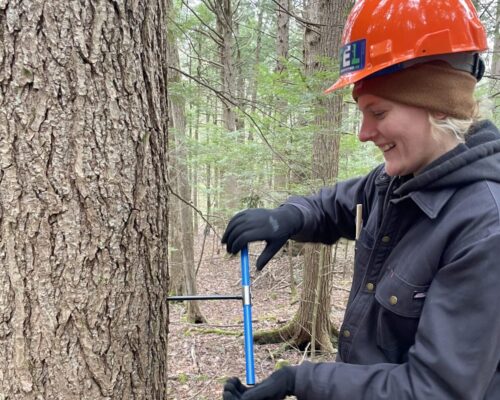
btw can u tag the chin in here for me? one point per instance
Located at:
(392, 170)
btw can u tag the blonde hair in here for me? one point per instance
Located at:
(451, 126)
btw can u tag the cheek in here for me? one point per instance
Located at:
(391, 129)
(418, 127)
(409, 135)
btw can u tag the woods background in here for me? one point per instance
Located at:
(91, 149)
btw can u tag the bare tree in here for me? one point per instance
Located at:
(322, 42)
(280, 170)
(224, 12)
(181, 212)
(258, 48)
(83, 200)
(282, 34)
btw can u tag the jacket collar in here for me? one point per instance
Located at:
(430, 202)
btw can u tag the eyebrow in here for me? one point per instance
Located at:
(376, 102)
(370, 103)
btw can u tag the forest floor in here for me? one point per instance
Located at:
(202, 356)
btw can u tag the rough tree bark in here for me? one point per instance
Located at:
(224, 16)
(83, 200)
(312, 319)
(282, 34)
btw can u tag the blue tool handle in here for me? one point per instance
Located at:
(247, 317)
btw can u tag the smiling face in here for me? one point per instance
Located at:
(403, 134)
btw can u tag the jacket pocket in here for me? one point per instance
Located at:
(363, 250)
(401, 305)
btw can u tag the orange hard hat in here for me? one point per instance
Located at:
(379, 34)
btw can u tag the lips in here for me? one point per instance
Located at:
(386, 147)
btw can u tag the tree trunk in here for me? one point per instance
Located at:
(195, 168)
(240, 81)
(282, 34)
(182, 236)
(282, 48)
(258, 48)
(496, 48)
(224, 15)
(321, 43)
(83, 200)
(225, 26)
(176, 284)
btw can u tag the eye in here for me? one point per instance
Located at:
(378, 114)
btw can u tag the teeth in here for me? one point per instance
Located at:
(387, 147)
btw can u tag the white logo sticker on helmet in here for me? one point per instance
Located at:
(352, 56)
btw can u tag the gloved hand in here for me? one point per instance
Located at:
(274, 226)
(280, 384)
(233, 389)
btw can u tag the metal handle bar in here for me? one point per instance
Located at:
(246, 297)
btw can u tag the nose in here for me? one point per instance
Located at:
(367, 131)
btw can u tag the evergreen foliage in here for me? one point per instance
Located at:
(275, 131)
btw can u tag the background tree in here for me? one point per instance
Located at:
(282, 49)
(321, 40)
(293, 139)
(286, 132)
(494, 93)
(269, 155)
(321, 56)
(181, 232)
(487, 91)
(83, 200)
(226, 28)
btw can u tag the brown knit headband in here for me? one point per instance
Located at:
(434, 86)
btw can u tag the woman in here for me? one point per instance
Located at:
(421, 321)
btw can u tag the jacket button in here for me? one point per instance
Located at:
(370, 286)
(346, 333)
(386, 239)
(393, 300)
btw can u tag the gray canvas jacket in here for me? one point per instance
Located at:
(423, 316)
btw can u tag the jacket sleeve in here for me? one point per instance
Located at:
(457, 345)
(330, 214)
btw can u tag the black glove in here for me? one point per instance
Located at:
(280, 384)
(274, 226)
(233, 389)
